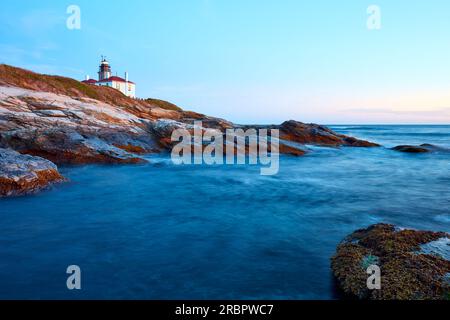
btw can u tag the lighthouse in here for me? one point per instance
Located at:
(105, 78)
(104, 71)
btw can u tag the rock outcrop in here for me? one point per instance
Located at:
(318, 135)
(24, 174)
(423, 148)
(70, 131)
(411, 149)
(414, 264)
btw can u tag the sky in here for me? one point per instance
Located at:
(251, 61)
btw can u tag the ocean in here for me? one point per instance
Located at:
(160, 231)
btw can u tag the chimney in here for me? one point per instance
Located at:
(87, 77)
(126, 76)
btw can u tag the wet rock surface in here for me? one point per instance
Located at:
(25, 174)
(411, 149)
(414, 264)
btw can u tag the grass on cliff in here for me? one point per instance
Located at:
(163, 104)
(29, 80)
(26, 79)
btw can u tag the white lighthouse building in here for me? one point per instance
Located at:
(106, 79)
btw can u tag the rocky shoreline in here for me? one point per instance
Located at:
(46, 121)
(68, 122)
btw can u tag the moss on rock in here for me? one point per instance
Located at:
(407, 272)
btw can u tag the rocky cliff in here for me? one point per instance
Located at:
(68, 122)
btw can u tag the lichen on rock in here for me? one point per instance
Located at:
(409, 269)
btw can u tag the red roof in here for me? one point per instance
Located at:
(115, 78)
(90, 81)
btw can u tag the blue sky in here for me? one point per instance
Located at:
(251, 61)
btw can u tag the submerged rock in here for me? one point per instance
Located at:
(24, 174)
(434, 148)
(423, 148)
(411, 149)
(414, 264)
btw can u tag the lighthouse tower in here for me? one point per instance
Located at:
(105, 78)
(104, 70)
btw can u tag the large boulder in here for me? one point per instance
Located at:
(24, 174)
(414, 264)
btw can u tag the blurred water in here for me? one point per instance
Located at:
(160, 231)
